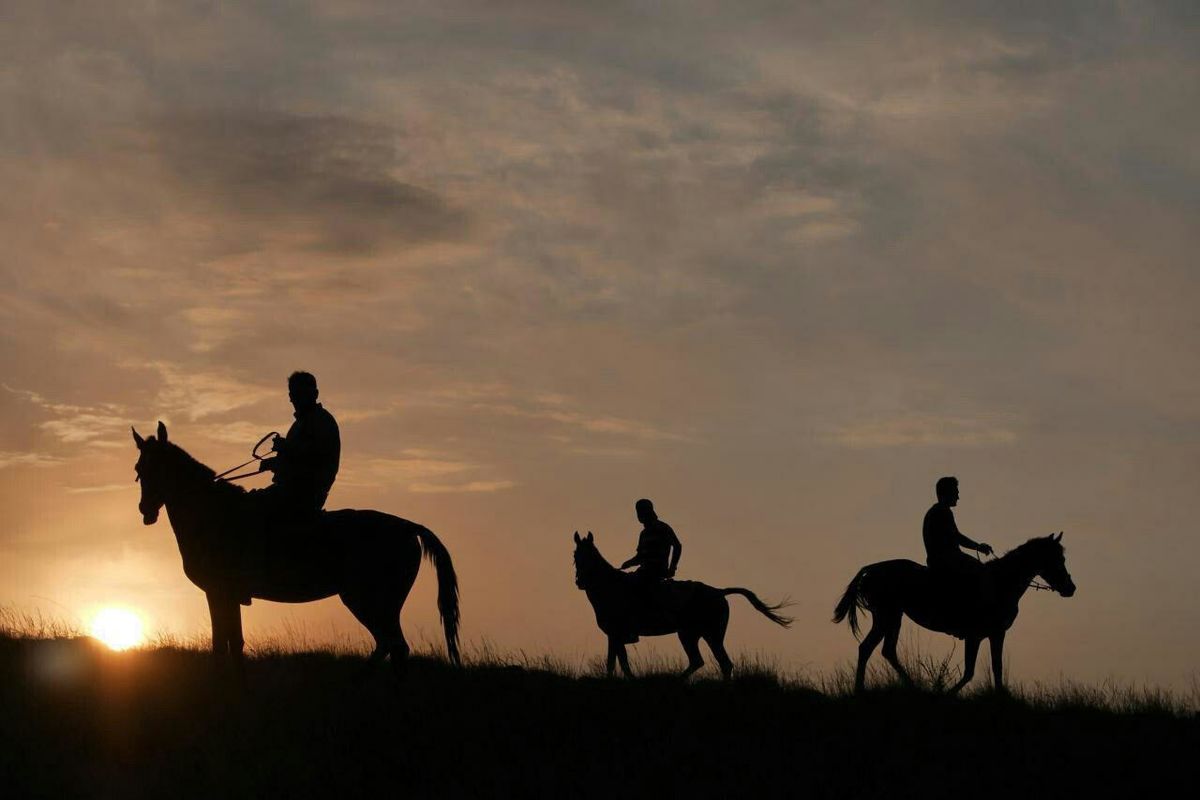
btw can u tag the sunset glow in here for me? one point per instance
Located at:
(777, 267)
(118, 628)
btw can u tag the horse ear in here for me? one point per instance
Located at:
(1057, 538)
(162, 431)
(138, 440)
(590, 537)
(576, 537)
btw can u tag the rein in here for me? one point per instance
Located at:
(254, 456)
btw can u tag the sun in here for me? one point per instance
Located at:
(118, 628)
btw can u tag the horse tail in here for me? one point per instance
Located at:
(767, 611)
(851, 602)
(447, 599)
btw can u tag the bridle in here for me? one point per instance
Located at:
(254, 456)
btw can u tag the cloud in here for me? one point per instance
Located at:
(11, 459)
(312, 182)
(414, 471)
(76, 424)
(200, 394)
(85, 427)
(470, 487)
(102, 488)
(917, 430)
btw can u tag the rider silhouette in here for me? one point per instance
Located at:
(942, 536)
(657, 558)
(306, 460)
(655, 545)
(304, 467)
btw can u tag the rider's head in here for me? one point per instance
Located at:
(645, 511)
(947, 490)
(302, 390)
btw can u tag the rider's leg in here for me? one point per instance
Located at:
(970, 653)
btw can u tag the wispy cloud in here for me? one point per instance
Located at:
(469, 487)
(198, 394)
(417, 470)
(85, 427)
(921, 430)
(76, 424)
(103, 488)
(11, 459)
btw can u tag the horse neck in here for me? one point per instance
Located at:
(1015, 570)
(192, 491)
(601, 574)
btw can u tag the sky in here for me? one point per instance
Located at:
(776, 266)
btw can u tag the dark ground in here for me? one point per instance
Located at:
(78, 721)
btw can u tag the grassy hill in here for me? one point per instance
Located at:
(79, 721)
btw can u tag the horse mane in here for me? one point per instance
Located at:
(599, 555)
(1034, 542)
(196, 470)
(600, 562)
(1019, 552)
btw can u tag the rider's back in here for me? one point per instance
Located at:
(310, 463)
(940, 533)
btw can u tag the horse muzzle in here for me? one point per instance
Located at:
(150, 517)
(1068, 590)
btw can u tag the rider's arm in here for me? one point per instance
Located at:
(633, 562)
(971, 544)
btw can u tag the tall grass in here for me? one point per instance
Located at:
(932, 674)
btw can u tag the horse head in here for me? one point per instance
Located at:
(587, 559)
(150, 471)
(1050, 563)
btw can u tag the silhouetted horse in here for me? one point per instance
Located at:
(367, 558)
(891, 589)
(692, 609)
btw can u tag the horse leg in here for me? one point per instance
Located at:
(715, 637)
(375, 620)
(235, 640)
(970, 652)
(623, 658)
(997, 647)
(227, 642)
(611, 662)
(691, 646)
(399, 648)
(220, 637)
(717, 645)
(891, 637)
(865, 648)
